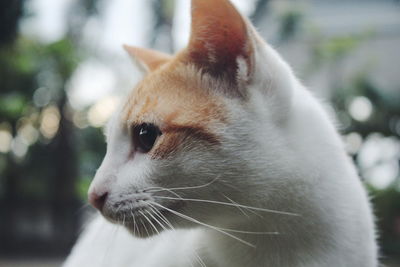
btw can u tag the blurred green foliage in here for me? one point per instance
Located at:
(46, 163)
(387, 210)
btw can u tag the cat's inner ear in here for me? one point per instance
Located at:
(147, 58)
(220, 43)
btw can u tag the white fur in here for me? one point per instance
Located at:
(279, 151)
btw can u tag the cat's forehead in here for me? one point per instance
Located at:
(174, 95)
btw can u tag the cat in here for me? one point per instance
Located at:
(220, 157)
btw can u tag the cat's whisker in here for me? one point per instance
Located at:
(250, 232)
(149, 221)
(233, 230)
(200, 261)
(156, 220)
(229, 204)
(165, 220)
(242, 208)
(161, 216)
(149, 211)
(149, 189)
(239, 208)
(145, 228)
(204, 224)
(134, 223)
(152, 227)
(116, 211)
(160, 189)
(134, 220)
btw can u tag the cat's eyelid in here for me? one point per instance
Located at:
(131, 125)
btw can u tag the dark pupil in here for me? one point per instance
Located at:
(146, 135)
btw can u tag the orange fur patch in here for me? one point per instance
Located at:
(177, 99)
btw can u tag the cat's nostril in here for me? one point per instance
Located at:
(98, 200)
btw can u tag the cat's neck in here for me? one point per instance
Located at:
(294, 235)
(305, 177)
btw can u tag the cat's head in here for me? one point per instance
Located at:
(205, 124)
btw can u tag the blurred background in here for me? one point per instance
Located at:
(63, 71)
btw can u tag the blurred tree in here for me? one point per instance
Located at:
(38, 152)
(387, 210)
(10, 12)
(26, 69)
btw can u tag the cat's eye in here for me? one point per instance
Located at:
(144, 136)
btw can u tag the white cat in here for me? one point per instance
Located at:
(220, 157)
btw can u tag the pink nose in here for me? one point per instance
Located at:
(98, 199)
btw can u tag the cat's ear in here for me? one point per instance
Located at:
(220, 43)
(147, 59)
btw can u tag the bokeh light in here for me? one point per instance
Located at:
(50, 120)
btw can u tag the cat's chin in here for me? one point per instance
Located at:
(140, 231)
(145, 222)
(140, 228)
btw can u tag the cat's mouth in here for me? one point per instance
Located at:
(143, 217)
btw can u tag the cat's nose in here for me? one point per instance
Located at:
(99, 190)
(98, 199)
